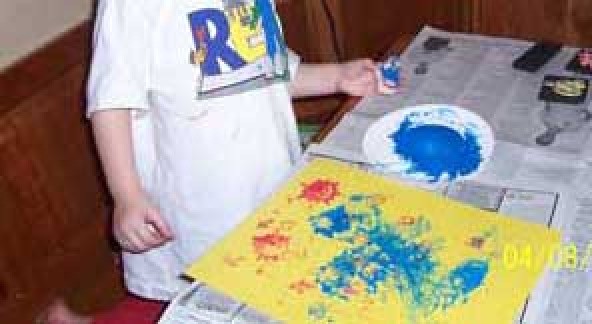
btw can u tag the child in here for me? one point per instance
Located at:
(192, 129)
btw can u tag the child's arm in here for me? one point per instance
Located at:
(355, 78)
(137, 224)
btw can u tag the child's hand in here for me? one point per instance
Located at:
(358, 78)
(138, 226)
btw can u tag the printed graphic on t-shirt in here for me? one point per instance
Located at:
(238, 47)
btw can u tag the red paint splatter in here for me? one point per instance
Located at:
(350, 291)
(476, 242)
(271, 246)
(320, 191)
(407, 220)
(301, 286)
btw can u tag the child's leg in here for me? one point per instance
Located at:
(60, 313)
(132, 310)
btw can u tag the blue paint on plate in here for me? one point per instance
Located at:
(437, 150)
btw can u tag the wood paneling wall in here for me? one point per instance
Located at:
(53, 204)
(368, 28)
(563, 21)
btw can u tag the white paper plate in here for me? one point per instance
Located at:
(380, 145)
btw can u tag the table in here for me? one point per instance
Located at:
(549, 185)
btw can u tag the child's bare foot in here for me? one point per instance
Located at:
(59, 313)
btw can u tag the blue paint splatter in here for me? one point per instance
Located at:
(379, 255)
(469, 275)
(437, 150)
(332, 222)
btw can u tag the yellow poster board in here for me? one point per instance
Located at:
(339, 245)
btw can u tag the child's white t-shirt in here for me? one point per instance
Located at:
(211, 137)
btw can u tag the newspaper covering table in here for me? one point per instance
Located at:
(551, 184)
